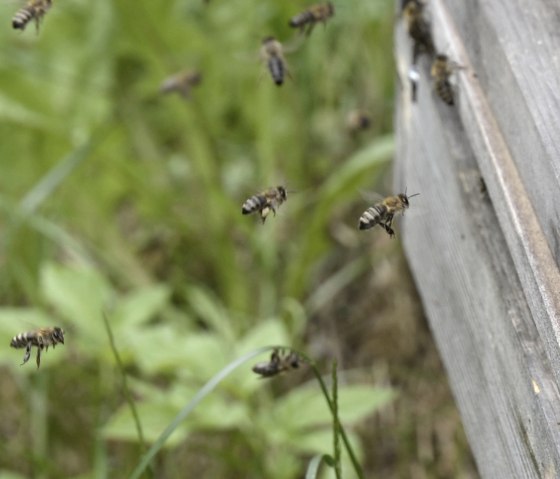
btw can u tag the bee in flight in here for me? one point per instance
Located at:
(272, 54)
(181, 83)
(418, 29)
(279, 363)
(42, 338)
(358, 120)
(33, 10)
(382, 213)
(442, 69)
(307, 19)
(265, 202)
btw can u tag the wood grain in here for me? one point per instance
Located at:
(485, 255)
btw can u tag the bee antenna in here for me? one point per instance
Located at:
(415, 194)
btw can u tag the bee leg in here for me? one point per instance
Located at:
(27, 354)
(309, 29)
(39, 349)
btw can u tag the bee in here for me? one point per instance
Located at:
(320, 12)
(181, 83)
(33, 10)
(272, 54)
(414, 78)
(382, 213)
(441, 70)
(358, 120)
(265, 202)
(418, 29)
(278, 364)
(42, 338)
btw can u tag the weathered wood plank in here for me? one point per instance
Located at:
(485, 267)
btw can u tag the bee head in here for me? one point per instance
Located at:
(268, 39)
(58, 334)
(404, 198)
(441, 57)
(282, 192)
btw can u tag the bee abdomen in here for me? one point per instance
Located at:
(276, 68)
(372, 216)
(255, 203)
(445, 91)
(23, 17)
(301, 19)
(21, 340)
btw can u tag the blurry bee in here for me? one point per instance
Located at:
(414, 78)
(320, 12)
(358, 120)
(42, 338)
(441, 70)
(418, 29)
(265, 202)
(181, 83)
(382, 213)
(272, 54)
(33, 10)
(278, 364)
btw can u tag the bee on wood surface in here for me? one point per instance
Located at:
(33, 10)
(265, 202)
(272, 54)
(414, 78)
(382, 213)
(418, 29)
(307, 19)
(181, 83)
(358, 120)
(278, 363)
(442, 68)
(42, 338)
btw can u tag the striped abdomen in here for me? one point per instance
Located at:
(373, 216)
(302, 19)
(445, 91)
(23, 339)
(276, 68)
(255, 203)
(34, 10)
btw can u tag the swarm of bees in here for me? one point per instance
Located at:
(280, 362)
(41, 338)
(382, 213)
(33, 10)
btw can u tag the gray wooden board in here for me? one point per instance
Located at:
(483, 266)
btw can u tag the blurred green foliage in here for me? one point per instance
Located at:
(115, 198)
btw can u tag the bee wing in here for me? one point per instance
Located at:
(371, 196)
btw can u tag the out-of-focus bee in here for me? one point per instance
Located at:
(272, 54)
(279, 363)
(181, 83)
(418, 29)
(414, 78)
(42, 338)
(307, 19)
(358, 120)
(265, 202)
(33, 10)
(382, 213)
(442, 68)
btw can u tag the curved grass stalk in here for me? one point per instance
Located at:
(315, 464)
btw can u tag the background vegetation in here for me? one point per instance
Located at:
(114, 198)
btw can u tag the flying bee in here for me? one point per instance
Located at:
(42, 338)
(418, 29)
(358, 120)
(33, 10)
(278, 363)
(265, 202)
(442, 68)
(307, 19)
(272, 53)
(382, 213)
(181, 83)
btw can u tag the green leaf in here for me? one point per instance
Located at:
(140, 305)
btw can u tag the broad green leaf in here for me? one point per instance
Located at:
(139, 306)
